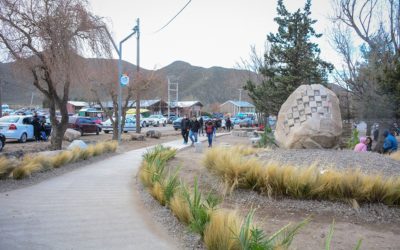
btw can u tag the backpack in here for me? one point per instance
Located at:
(209, 129)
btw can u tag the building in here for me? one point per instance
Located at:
(154, 106)
(188, 108)
(74, 106)
(235, 107)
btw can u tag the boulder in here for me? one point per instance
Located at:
(77, 143)
(153, 134)
(137, 137)
(310, 118)
(71, 134)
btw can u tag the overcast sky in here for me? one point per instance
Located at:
(207, 33)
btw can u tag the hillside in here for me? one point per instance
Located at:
(209, 85)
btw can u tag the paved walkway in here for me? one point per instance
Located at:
(94, 207)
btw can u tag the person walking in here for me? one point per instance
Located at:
(201, 121)
(209, 128)
(194, 130)
(228, 124)
(223, 124)
(185, 127)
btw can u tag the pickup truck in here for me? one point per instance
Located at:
(155, 120)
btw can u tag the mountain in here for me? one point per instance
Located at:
(208, 85)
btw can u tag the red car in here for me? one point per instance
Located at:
(83, 125)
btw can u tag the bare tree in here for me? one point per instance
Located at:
(104, 75)
(46, 36)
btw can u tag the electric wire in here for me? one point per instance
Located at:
(174, 17)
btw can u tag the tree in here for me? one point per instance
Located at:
(291, 60)
(104, 76)
(46, 37)
(372, 78)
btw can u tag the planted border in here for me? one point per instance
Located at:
(31, 164)
(240, 171)
(218, 228)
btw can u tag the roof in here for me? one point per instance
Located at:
(143, 103)
(241, 104)
(79, 104)
(186, 104)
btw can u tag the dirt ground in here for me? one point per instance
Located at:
(272, 214)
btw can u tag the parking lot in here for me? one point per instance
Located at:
(14, 148)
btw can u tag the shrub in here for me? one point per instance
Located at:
(32, 164)
(304, 183)
(395, 156)
(6, 167)
(267, 138)
(354, 139)
(220, 233)
(180, 208)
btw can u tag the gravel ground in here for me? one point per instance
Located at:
(368, 162)
(163, 216)
(377, 224)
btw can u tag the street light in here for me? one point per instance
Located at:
(122, 79)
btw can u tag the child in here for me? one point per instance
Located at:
(361, 147)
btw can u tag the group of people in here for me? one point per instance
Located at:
(389, 144)
(192, 128)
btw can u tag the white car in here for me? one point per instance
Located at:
(156, 120)
(142, 120)
(130, 125)
(17, 127)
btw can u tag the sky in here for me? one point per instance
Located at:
(206, 33)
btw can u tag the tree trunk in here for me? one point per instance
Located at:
(115, 129)
(384, 125)
(138, 128)
(58, 128)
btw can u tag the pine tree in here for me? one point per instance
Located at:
(292, 60)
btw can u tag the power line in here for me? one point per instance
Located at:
(174, 17)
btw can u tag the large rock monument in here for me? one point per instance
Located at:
(310, 118)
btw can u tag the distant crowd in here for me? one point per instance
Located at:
(195, 127)
(390, 143)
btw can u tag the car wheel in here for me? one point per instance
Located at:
(106, 131)
(176, 129)
(1, 145)
(125, 132)
(97, 131)
(23, 138)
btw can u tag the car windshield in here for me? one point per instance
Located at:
(153, 116)
(9, 119)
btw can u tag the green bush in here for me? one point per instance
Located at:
(354, 139)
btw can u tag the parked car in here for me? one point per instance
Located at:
(83, 125)
(246, 122)
(2, 141)
(171, 119)
(142, 120)
(17, 127)
(155, 120)
(177, 123)
(130, 125)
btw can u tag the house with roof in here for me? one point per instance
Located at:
(156, 106)
(74, 106)
(188, 108)
(235, 107)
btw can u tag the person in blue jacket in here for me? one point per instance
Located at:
(390, 143)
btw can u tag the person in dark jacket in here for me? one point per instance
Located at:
(185, 127)
(201, 121)
(228, 124)
(36, 126)
(390, 143)
(194, 129)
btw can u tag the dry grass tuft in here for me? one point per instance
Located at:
(221, 231)
(180, 208)
(395, 156)
(31, 164)
(157, 191)
(275, 179)
(6, 167)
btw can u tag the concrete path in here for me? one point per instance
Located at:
(93, 207)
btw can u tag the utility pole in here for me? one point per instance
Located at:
(138, 128)
(173, 87)
(240, 98)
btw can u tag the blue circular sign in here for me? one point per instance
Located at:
(124, 80)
